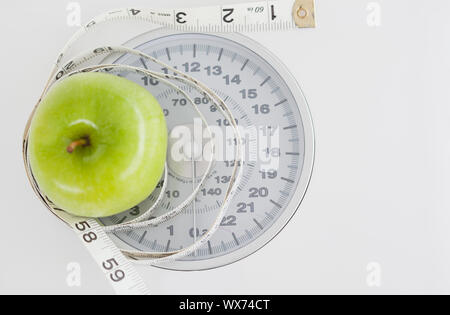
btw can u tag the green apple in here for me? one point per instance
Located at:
(97, 144)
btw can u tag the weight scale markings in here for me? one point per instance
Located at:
(281, 102)
(265, 81)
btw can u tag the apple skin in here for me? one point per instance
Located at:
(126, 155)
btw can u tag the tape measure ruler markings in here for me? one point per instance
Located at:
(259, 16)
(246, 17)
(118, 270)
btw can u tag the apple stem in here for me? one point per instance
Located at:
(83, 142)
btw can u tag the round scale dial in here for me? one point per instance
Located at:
(267, 104)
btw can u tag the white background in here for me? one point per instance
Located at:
(380, 100)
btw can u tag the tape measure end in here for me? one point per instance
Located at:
(304, 14)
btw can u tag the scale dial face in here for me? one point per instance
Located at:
(265, 99)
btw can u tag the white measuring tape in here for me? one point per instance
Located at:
(248, 17)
